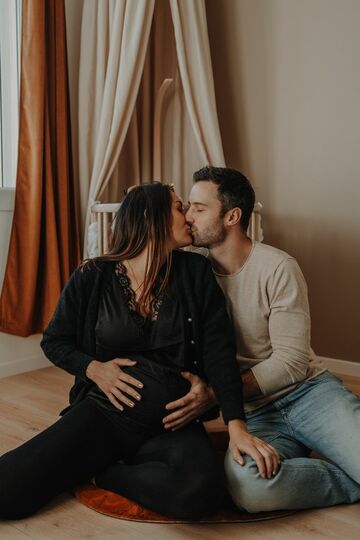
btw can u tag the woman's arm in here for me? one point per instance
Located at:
(60, 341)
(219, 348)
(60, 345)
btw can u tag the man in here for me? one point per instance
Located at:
(292, 402)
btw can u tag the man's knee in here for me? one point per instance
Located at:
(248, 490)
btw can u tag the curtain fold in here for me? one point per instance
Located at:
(114, 40)
(193, 53)
(44, 244)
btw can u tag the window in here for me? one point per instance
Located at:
(10, 36)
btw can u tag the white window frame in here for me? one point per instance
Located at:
(10, 42)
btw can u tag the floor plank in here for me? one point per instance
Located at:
(29, 402)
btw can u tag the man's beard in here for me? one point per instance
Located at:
(209, 238)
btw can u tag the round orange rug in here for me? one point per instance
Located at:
(113, 505)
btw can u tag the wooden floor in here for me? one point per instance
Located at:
(30, 402)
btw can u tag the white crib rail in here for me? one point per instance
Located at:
(103, 214)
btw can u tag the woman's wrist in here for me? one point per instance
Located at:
(92, 369)
(236, 425)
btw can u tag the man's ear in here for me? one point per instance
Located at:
(233, 217)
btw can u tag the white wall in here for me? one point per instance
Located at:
(17, 354)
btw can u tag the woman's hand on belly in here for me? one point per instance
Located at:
(114, 382)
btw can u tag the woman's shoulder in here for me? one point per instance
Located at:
(91, 269)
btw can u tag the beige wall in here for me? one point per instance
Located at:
(288, 92)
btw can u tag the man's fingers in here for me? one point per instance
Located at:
(177, 424)
(178, 414)
(191, 377)
(182, 402)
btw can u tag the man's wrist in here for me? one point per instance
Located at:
(213, 400)
(250, 385)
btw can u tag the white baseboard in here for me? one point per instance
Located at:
(23, 365)
(342, 367)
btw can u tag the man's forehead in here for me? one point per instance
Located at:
(203, 192)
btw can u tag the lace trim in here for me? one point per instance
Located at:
(125, 283)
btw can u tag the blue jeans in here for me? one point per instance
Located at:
(321, 415)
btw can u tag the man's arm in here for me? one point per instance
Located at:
(251, 388)
(289, 331)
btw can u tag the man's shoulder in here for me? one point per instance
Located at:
(270, 257)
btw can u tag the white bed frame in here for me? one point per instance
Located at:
(103, 214)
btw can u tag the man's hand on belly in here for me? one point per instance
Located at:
(196, 402)
(114, 382)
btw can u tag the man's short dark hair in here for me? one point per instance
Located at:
(234, 190)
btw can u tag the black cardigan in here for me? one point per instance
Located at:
(208, 340)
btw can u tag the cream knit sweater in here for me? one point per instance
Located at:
(268, 304)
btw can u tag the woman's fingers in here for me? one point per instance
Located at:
(236, 454)
(115, 402)
(123, 362)
(128, 390)
(260, 461)
(268, 460)
(121, 397)
(274, 457)
(130, 380)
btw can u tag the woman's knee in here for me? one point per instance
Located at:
(16, 499)
(198, 495)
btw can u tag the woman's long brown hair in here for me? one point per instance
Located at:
(143, 220)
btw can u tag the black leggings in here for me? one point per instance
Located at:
(176, 473)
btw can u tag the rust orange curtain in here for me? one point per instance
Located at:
(44, 243)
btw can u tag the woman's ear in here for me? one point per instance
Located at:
(233, 217)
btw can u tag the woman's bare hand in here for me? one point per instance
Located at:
(241, 442)
(114, 382)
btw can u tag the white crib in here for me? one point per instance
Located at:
(103, 214)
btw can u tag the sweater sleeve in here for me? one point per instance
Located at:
(289, 330)
(59, 341)
(219, 349)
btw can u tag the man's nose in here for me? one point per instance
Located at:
(188, 215)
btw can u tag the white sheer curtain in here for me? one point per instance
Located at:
(116, 113)
(114, 40)
(193, 53)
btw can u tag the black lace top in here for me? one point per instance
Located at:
(129, 293)
(122, 332)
